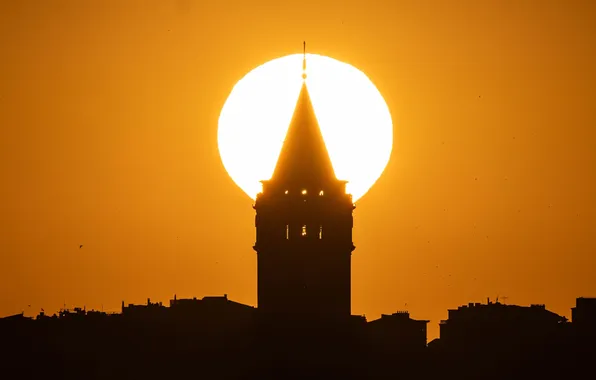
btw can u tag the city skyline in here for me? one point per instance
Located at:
(115, 189)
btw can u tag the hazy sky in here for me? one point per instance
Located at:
(108, 138)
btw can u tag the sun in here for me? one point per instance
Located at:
(352, 114)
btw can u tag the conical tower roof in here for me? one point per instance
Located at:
(304, 159)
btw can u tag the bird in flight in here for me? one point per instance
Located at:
(80, 246)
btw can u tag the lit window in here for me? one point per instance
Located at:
(304, 192)
(320, 232)
(286, 192)
(321, 193)
(287, 231)
(303, 233)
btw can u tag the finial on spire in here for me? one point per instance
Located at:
(304, 60)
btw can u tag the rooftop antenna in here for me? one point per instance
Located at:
(304, 60)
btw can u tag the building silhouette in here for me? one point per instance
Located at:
(398, 333)
(498, 325)
(583, 315)
(510, 341)
(304, 226)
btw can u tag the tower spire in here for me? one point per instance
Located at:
(304, 60)
(304, 157)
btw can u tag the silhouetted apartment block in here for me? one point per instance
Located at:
(211, 313)
(150, 310)
(583, 316)
(398, 332)
(208, 304)
(193, 314)
(496, 326)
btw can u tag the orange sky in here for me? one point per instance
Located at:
(108, 122)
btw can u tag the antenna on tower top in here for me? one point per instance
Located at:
(304, 60)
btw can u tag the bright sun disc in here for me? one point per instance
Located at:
(353, 117)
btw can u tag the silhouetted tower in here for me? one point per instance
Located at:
(304, 226)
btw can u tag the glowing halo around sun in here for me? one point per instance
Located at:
(353, 117)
